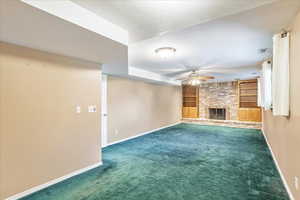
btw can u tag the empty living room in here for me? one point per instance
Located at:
(149, 99)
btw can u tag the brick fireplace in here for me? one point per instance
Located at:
(218, 96)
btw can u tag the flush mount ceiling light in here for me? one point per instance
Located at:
(165, 52)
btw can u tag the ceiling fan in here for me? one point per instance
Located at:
(183, 72)
(196, 75)
(194, 78)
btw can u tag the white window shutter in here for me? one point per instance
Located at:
(280, 75)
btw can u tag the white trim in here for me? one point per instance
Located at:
(278, 168)
(144, 133)
(144, 74)
(52, 182)
(104, 111)
(83, 17)
(80, 171)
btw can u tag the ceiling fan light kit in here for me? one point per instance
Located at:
(194, 82)
(195, 79)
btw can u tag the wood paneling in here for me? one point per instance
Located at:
(250, 114)
(189, 112)
(190, 102)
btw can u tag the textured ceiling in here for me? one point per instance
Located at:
(148, 18)
(222, 38)
(228, 48)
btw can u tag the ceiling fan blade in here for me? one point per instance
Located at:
(181, 79)
(219, 70)
(171, 70)
(179, 74)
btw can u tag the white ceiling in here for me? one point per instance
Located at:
(227, 48)
(221, 37)
(148, 18)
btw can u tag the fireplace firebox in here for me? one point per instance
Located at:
(217, 113)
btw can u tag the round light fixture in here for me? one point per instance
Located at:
(165, 52)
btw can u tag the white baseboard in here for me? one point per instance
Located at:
(52, 182)
(141, 134)
(278, 168)
(77, 172)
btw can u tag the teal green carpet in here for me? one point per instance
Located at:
(183, 162)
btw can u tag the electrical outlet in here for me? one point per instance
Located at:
(296, 183)
(116, 131)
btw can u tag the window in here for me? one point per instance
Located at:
(266, 85)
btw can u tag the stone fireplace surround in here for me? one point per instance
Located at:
(218, 95)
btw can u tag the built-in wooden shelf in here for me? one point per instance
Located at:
(252, 87)
(248, 108)
(190, 101)
(249, 95)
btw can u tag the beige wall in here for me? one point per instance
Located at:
(135, 107)
(283, 133)
(42, 137)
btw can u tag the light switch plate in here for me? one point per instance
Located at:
(78, 109)
(92, 108)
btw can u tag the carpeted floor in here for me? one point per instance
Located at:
(183, 162)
